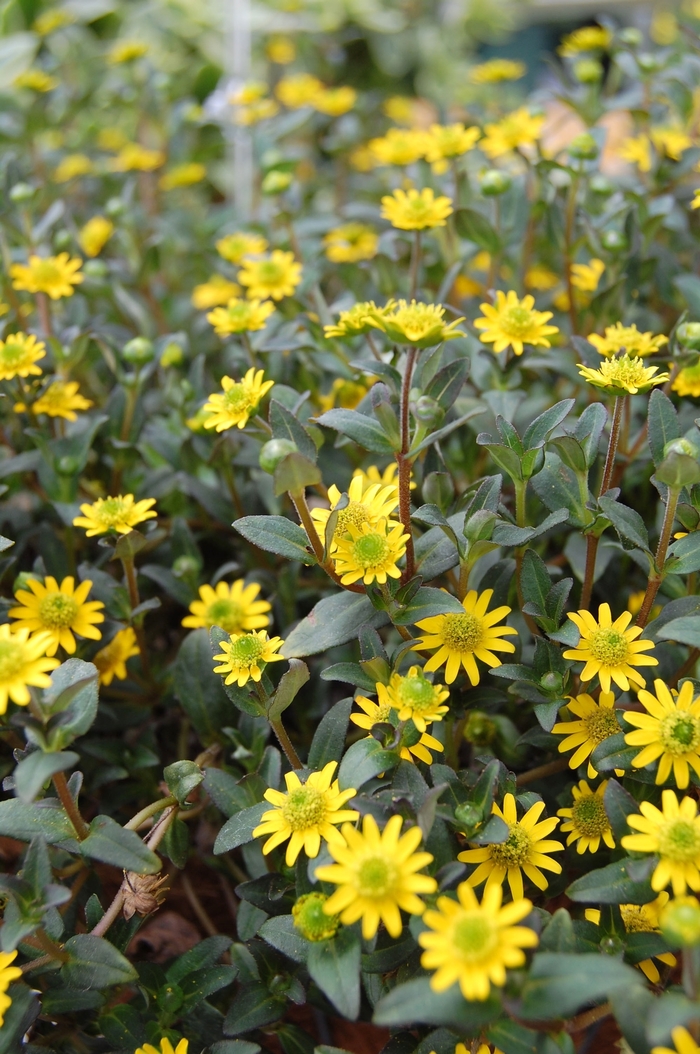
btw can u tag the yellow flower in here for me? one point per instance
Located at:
(120, 514)
(360, 319)
(622, 376)
(636, 150)
(496, 70)
(245, 656)
(377, 876)
(165, 1047)
(414, 698)
(55, 275)
(335, 101)
(362, 159)
(240, 316)
(683, 1043)
(280, 50)
(111, 660)
(416, 210)
(19, 354)
(609, 649)
(381, 712)
(23, 663)
(183, 176)
(351, 242)
(588, 38)
(596, 722)
(514, 323)
(687, 382)
(255, 112)
(239, 399)
(126, 51)
(664, 27)
(473, 943)
(72, 166)
(62, 399)
(233, 247)
(541, 278)
(298, 90)
(95, 235)
(8, 974)
(369, 552)
(136, 158)
(251, 92)
(514, 131)
(275, 276)
(449, 141)
(60, 611)
(641, 918)
(387, 478)
(344, 393)
(525, 849)
(400, 146)
(671, 141)
(47, 23)
(306, 814)
(669, 732)
(422, 325)
(462, 639)
(369, 503)
(112, 139)
(587, 820)
(628, 339)
(587, 276)
(218, 290)
(400, 108)
(36, 80)
(233, 607)
(673, 834)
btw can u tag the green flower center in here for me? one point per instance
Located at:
(517, 321)
(227, 614)
(13, 353)
(680, 733)
(601, 723)
(237, 399)
(416, 692)
(376, 877)
(57, 611)
(46, 273)
(110, 511)
(305, 807)
(11, 660)
(370, 550)
(589, 816)
(310, 919)
(679, 840)
(462, 632)
(515, 851)
(474, 937)
(270, 273)
(246, 651)
(609, 646)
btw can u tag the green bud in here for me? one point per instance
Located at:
(494, 182)
(479, 527)
(552, 682)
(114, 207)
(172, 355)
(95, 269)
(583, 147)
(138, 351)
(480, 729)
(67, 465)
(438, 490)
(170, 998)
(275, 182)
(62, 239)
(612, 945)
(469, 816)
(689, 335)
(681, 446)
(274, 451)
(22, 192)
(600, 184)
(648, 63)
(23, 579)
(428, 410)
(680, 467)
(311, 920)
(186, 566)
(680, 922)
(613, 241)
(630, 37)
(588, 71)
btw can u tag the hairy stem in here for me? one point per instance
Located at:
(405, 465)
(657, 575)
(299, 503)
(415, 265)
(592, 539)
(69, 804)
(286, 744)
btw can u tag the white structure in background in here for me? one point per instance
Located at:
(238, 54)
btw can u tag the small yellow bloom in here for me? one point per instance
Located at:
(238, 401)
(400, 108)
(683, 1042)
(59, 610)
(62, 399)
(306, 814)
(120, 514)
(251, 92)
(610, 649)
(587, 821)
(72, 166)
(587, 276)
(462, 639)
(23, 663)
(112, 139)
(95, 235)
(255, 112)
(400, 146)
(344, 393)
(280, 50)
(687, 382)
(54, 275)
(385, 710)
(497, 70)
(673, 834)
(513, 132)
(112, 659)
(234, 247)
(240, 316)
(274, 276)
(642, 918)
(636, 150)
(664, 27)
(360, 319)
(234, 608)
(19, 355)
(165, 1047)
(595, 722)
(368, 504)
(387, 478)
(36, 80)
(623, 375)
(370, 552)
(136, 158)
(126, 51)
(216, 291)
(299, 89)
(628, 339)
(8, 974)
(541, 278)
(362, 159)
(246, 655)
(588, 38)
(183, 176)
(377, 876)
(416, 210)
(414, 698)
(514, 323)
(49, 22)
(669, 732)
(671, 141)
(422, 325)
(335, 101)
(351, 243)
(447, 142)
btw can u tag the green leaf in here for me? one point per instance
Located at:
(364, 430)
(334, 620)
(559, 984)
(200, 985)
(294, 473)
(631, 1006)
(684, 555)
(619, 804)
(349, 673)
(426, 602)
(442, 433)
(589, 429)
(252, 1007)
(286, 426)
(415, 1003)
(628, 523)
(206, 953)
(276, 534)
(512, 1038)
(669, 1011)
(663, 424)
(329, 738)
(122, 1027)
(198, 688)
(238, 829)
(509, 460)
(95, 963)
(688, 286)
(291, 683)
(225, 791)
(18, 1018)
(182, 777)
(534, 580)
(113, 844)
(612, 885)
(543, 426)
(335, 967)
(45, 817)
(33, 771)
(558, 487)
(282, 934)
(71, 700)
(435, 553)
(448, 383)
(363, 761)
(685, 630)
(509, 534)
(571, 452)
(474, 226)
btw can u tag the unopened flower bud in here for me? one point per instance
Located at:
(630, 37)
(583, 147)
(23, 579)
(479, 729)
(479, 527)
(138, 351)
(588, 71)
(680, 922)
(95, 269)
(600, 184)
(62, 239)
(67, 465)
(274, 451)
(612, 945)
(468, 816)
(613, 241)
(275, 181)
(311, 920)
(689, 335)
(186, 566)
(114, 207)
(494, 182)
(22, 192)
(648, 63)
(428, 410)
(172, 355)
(552, 682)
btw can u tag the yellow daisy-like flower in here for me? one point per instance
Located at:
(513, 132)
(587, 276)
(387, 478)
(381, 712)
(126, 51)
(344, 393)
(671, 141)
(414, 698)
(526, 850)
(334, 102)
(238, 401)
(637, 150)
(23, 663)
(541, 278)
(416, 210)
(447, 142)
(50, 21)
(234, 607)
(673, 834)
(687, 382)
(360, 319)
(71, 167)
(587, 821)
(233, 247)
(351, 243)
(120, 514)
(596, 722)
(54, 275)
(588, 38)
(369, 503)
(370, 552)
(19, 355)
(280, 50)
(669, 732)
(514, 323)
(255, 112)
(401, 109)
(422, 325)
(275, 276)
(641, 918)
(62, 399)
(400, 147)
(112, 659)
(474, 943)
(610, 649)
(619, 338)
(497, 70)
(95, 234)
(217, 291)
(298, 90)
(683, 1043)
(251, 92)
(133, 157)
(8, 974)
(623, 375)
(246, 655)
(165, 1047)
(240, 316)
(36, 80)
(60, 611)
(185, 175)
(377, 876)
(112, 139)
(462, 639)
(306, 814)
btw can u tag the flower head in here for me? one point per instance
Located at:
(513, 132)
(369, 552)
(334, 102)
(62, 399)
(54, 275)
(299, 89)
(628, 339)
(234, 247)
(588, 38)
(687, 382)
(216, 291)
(36, 80)
(8, 974)
(126, 51)
(414, 698)
(281, 50)
(610, 649)
(351, 243)
(254, 112)
(23, 663)
(623, 375)
(368, 504)
(185, 175)
(422, 325)
(58, 610)
(526, 849)
(497, 70)
(111, 660)
(541, 278)
(95, 235)
(384, 711)
(637, 150)
(595, 722)
(449, 141)
(120, 514)
(586, 276)
(683, 1043)
(239, 399)
(246, 655)
(275, 276)
(345, 393)
(165, 1047)
(360, 319)
(416, 210)
(133, 157)
(377, 876)
(72, 166)
(240, 316)
(669, 732)
(400, 146)
(311, 920)
(234, 607)
(514, 323)
(587, 821)
(671, 141)
(306, 814)
(19, 355)
(673, 834)
(462, 639)
(642, 918)
(49, 21)
(473, 943)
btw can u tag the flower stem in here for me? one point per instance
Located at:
(68, 802)
(657, 575)
(135, 600)
(150, 810)
(286, 744)
(568, 251)
(593, 539)
(405, 466)
(299, 503)
(44, 309)
(415, 266)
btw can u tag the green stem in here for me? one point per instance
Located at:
(68, 802)
(150, 810)
(135, 600)
(568, 247)
(657, 575)
(404, 464)
(299, 503)
(286, 744)
(415, 265)
(593, 539)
